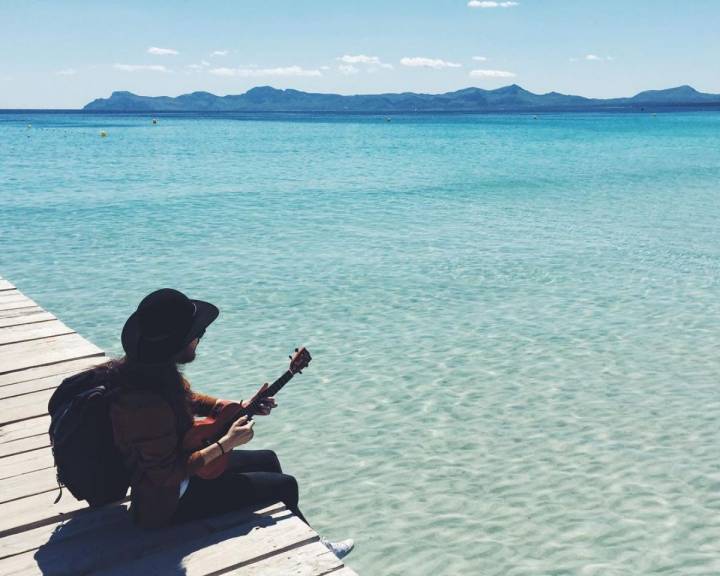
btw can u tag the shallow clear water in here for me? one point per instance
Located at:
(515, 323)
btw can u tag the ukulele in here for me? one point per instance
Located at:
(207, 431)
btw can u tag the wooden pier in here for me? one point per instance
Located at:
(37, 537)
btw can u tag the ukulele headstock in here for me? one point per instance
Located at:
(299, 360)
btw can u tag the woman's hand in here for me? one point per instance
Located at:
(264, 405)
(241, 432)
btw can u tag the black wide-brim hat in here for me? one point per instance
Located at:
(165, 322)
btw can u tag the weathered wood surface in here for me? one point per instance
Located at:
(85, 521)
(25, 406)
(34, 331)
(37, 537)
(28, 484)
(15, 303)
(32, 511)
(55, 549)
(312, 559)
(13, 296)
(24, 429)
(23, 313)
(222, 551)
(19, 464)
(31, 386)
(36, 315)
(14, 357)
(24, 445)
(107, 518)
(66, 367)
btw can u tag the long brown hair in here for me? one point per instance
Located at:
(163, 379)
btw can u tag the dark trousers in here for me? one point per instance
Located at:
(253, 477)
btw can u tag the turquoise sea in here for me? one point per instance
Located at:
(515, 322)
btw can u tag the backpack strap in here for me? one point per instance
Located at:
(60, 486)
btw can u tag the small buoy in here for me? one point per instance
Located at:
(388, 119)
(103, 134)
(154, 121)
(29, 125)
(534, 117)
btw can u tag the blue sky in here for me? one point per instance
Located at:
(62, 54)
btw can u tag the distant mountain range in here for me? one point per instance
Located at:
(507, 99)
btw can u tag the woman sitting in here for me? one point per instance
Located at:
(155, 406)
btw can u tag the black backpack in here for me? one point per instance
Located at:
(87, 460)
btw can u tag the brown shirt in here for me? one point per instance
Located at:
(147, 435)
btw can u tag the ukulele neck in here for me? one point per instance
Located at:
(273, 389)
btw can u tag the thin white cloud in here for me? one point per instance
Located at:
(487, 4)
(348, 69)
(491, 74)
(324, 67)
(259, 72)
(480, 58)
(363, 59)
(203, 64)
(219, 53)
(596, 58)
(162, 51)
(435, 63)
(66, 72)
(140, 67)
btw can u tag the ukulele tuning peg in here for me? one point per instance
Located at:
(296, 349)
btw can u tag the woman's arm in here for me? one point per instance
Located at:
(202, 404)
(240, 432)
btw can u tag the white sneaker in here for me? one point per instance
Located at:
(341, 548)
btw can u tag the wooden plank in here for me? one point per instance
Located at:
(222, 551)
(12, 296)
(14, 304)
(30, 386)
(5, 285)
(26, 406)
(21, 312)
(24, 429)
(101, 550)
(23, 445)
(19, 464)
(34, 331)
(313, 559)
(103, 519)
(25, 513)
(35, 315)
(84, 521)
(23, 355)
(56, 549)
(35, 373)
(30, 484)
